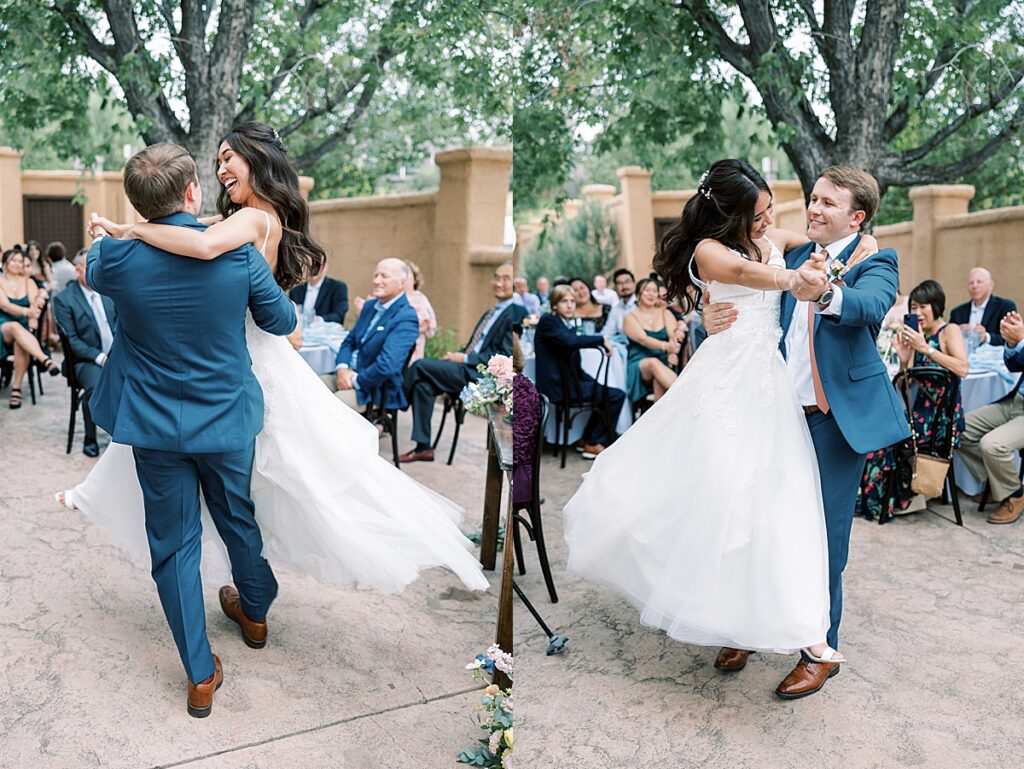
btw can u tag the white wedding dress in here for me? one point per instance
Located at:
(327, 504)
(706, 514)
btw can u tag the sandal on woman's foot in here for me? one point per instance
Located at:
(52, 368)
(829, 655)
(15, 397)
(65, 498)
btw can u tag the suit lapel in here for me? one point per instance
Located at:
(990, 310)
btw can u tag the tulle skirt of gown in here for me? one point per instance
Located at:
(327, 504)
(706, 514)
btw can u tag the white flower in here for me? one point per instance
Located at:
(495, 741)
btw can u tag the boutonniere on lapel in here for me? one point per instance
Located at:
(835, 269)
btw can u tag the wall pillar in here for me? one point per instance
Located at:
(469, 228)
(12, 217)
(932, 204)
(636, 219)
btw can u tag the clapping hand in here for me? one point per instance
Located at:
(1011, 327)
(457, 357)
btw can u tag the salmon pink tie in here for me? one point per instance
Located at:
(819, 391)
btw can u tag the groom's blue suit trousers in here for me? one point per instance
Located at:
(171, 483)
(840, 468)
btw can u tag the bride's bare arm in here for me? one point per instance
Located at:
(210, 219)
(716, 262)
(786, 240)
(248, 225)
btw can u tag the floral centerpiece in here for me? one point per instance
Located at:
(493, 386)
(495, 751)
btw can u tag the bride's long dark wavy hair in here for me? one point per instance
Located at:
(273, 178)
(722, 210)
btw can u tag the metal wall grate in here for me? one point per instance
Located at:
(50, 218)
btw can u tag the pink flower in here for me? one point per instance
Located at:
(500, 366)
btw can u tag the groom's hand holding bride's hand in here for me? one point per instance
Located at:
(809, 281)
(344, 377)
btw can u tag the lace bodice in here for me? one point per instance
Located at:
(758, 310)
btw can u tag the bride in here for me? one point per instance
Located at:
(736, 554)
(328, 505)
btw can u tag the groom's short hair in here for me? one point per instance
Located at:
(862, 186)
(155, 179)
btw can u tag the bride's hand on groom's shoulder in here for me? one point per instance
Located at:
(113, 229)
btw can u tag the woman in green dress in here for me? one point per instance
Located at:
(20, 303)
(653, 352)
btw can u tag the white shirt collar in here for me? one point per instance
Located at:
(981, 306)
(385, 305)
(836, 248)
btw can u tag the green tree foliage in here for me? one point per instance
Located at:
(355, 88)
(583, 245)
(917, 93)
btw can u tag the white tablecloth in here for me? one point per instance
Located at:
(320, 357)
(979, 388)
(592, 361)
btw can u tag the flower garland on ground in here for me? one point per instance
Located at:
(495, 751)
(493, 386)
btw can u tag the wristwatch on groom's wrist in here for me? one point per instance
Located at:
(825, 298)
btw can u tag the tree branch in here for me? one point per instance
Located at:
(289, 61)
(369, 75)
(973, 111)
(312, 156)
(896, 172)
(946, 54)
(736, 54)
(124, 29)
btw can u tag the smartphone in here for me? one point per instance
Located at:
(910, 321)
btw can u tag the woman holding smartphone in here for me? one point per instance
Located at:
(924, 340)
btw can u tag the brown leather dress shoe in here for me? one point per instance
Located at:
(731, 660)
(806, 678)
(253, 633)
(591, 450)
(427, 455)
(200, 695)
(1008, 512)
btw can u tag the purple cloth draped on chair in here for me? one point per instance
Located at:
(524, 437)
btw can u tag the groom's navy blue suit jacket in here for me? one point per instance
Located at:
(178, 377)
(863, 401)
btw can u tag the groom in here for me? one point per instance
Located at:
(850, 404)
(179, 389)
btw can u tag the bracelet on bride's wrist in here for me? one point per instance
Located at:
(775, 278)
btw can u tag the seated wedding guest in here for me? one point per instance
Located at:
(428, 378)
(524, 429)
(653, 350)
(586, 308)
(88, 320)
(555, 342)
(994, 434)
(937, 343)
(424, 310)
(984, 312)
(40, 268)
(543, 286)
(625, 289)
(602, 293)
(322, 297)
(64, 273)
(530, 302)
(375, 350)
(19, 319)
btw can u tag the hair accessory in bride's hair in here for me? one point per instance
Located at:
(701, 188)
(277, 140)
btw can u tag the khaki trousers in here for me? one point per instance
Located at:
(348, 397)
(991, 439)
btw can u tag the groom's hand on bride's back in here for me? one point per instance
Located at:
(717, 316)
